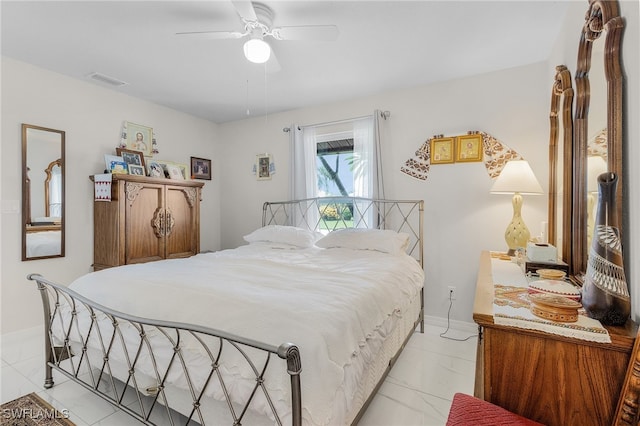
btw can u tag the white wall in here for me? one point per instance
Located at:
(91, 117)
(461, 217)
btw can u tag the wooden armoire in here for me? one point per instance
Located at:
(147, 219)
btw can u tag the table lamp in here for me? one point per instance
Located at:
(516, 178)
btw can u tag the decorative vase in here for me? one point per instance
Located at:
(605, 295)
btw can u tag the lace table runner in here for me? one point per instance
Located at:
(511, 307)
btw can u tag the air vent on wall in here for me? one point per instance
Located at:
(106, 79)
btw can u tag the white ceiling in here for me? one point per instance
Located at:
(383, 45)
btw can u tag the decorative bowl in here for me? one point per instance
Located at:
(554, 308)
(555, 287)
(551, 274)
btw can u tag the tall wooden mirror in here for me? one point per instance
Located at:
(598, 121)
(42, 192)
(560, 148)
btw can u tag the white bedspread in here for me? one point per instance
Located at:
(326, 301)
(45, 243)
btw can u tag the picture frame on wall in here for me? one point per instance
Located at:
(131, 157)
(469, 148)
(200, 168)
(442, 150)
(139, 138)
(263, 166)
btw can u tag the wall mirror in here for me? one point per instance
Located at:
(42, 192)
(597, 124)
(560, 148)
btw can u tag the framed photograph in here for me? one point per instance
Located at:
(136, 170)
(118, 167)
(263, 162)
(200, 168)
(184, 169)
(139, 138)
(130, 156)
(108, 159)
(469, 148)
(442, 150)
(155, 169)
(174, 171)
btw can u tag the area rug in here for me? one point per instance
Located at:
(31, 410)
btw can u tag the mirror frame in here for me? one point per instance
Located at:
(602, 18)
(26, 199)
(561, 104)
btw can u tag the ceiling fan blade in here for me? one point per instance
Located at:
(307, 32)
(214, 35)
(245, 9)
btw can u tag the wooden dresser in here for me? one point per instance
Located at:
(555, 380)
(147, 219)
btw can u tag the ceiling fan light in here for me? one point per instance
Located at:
(257, 51)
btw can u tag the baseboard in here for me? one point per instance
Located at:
(463, 326)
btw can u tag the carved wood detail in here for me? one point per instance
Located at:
(561, 104)
(191, 195)
(170, 222)
(601, 20)
(158, 222)
(133, 189)
(49, 173)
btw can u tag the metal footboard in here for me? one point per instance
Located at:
(117, 356)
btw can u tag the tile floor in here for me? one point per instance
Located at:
(417, 391)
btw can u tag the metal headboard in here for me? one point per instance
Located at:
(330, 213)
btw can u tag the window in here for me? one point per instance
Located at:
(336, 159)
(335, 165)
(335, 168)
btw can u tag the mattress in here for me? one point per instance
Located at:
(347, 310)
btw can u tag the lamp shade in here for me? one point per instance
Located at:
(257, 51)
(516, 177)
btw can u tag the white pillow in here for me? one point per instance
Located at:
(281, 234)
(383, 240)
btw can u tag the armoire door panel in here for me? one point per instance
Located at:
(142, 243)
(181, 238)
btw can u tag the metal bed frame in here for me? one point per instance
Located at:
(112, 372)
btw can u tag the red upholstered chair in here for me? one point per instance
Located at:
(470, 411)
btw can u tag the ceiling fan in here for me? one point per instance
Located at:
(258, 25)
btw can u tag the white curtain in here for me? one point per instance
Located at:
(304, 175)
(368, 182)
(366, 149)
(378, 185)
(302, 183)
